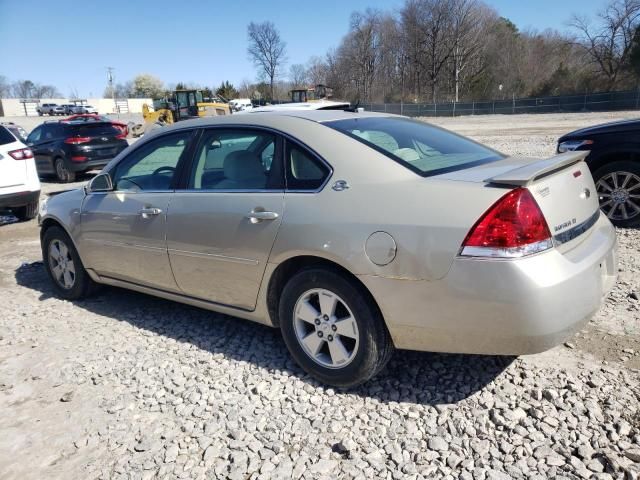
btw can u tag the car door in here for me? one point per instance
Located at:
(123, 231)
(222, 225)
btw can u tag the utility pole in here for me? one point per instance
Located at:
(113, 92)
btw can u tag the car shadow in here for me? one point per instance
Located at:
(415, 377)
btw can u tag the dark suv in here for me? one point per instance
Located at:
(67, 148)
(614, 160)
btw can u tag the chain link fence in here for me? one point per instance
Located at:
(590, 102)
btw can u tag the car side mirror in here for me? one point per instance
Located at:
(100, 183)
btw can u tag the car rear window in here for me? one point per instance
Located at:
(94, 129)
(425, 149)
(5, 136)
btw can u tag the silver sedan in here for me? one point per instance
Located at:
(354, 233)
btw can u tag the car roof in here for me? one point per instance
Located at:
(274, 118)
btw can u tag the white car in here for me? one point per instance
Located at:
(89, 109)
(19, 182)
(241, 104)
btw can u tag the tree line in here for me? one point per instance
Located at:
(428, 51)
(26, 89)
(452, 50)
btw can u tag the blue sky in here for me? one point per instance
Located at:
(70, 43)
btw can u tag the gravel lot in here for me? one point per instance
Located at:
(125, 385)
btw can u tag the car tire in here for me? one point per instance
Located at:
(26, 212)
(63, 174)
(343, 357)
(626, 175)
(63, 265)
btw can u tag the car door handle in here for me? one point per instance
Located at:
(148, 212)
(257, 216)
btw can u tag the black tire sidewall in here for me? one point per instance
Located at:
(82, 282)
(620, 166)
(27, 212)
(69, 175)
(370, 326)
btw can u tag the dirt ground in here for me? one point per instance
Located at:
(128, 386)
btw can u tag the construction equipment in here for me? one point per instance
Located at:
(311, 94)
(179, 105)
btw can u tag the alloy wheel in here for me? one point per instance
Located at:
(326, 328)
(619, 195)
(61, 171)
(61, 264)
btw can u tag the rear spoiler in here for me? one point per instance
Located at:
(531, 172)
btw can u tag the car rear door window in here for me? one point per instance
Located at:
(236, 159)
(152, 167)
(304, 171)
(34, 136)
(5, 136)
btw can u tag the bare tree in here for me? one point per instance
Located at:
(317, 71)
(5, 87)
(23, 89)
(298, 75)
(468, 26)
(45, 91)
(609, 42)
(266, 49)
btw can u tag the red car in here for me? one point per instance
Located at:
(92, 117)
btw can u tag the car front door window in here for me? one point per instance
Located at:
(152, 167)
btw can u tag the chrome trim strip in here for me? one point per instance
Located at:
(108, 243)
(229, 190)
(213, 256)
(576, 231)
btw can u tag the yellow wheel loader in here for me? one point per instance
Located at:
(179, 105)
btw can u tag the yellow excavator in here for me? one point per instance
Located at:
(179, 105)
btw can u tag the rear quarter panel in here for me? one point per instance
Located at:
(427, 217)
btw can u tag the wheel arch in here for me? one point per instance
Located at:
(49, 222)
(288, 268)
(622, 152)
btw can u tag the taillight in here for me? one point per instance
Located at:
(77, 140)
(121, 136)
(513, 227)
(78, 158)
(21, 154)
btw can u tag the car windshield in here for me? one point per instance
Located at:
(425, 149)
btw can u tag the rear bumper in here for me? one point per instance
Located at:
(87, 165)
(18, 199)
(506, 307)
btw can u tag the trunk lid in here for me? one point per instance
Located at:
(561, 185)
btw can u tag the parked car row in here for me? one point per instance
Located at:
(65, 109)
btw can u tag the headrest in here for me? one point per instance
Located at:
(242, 165)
